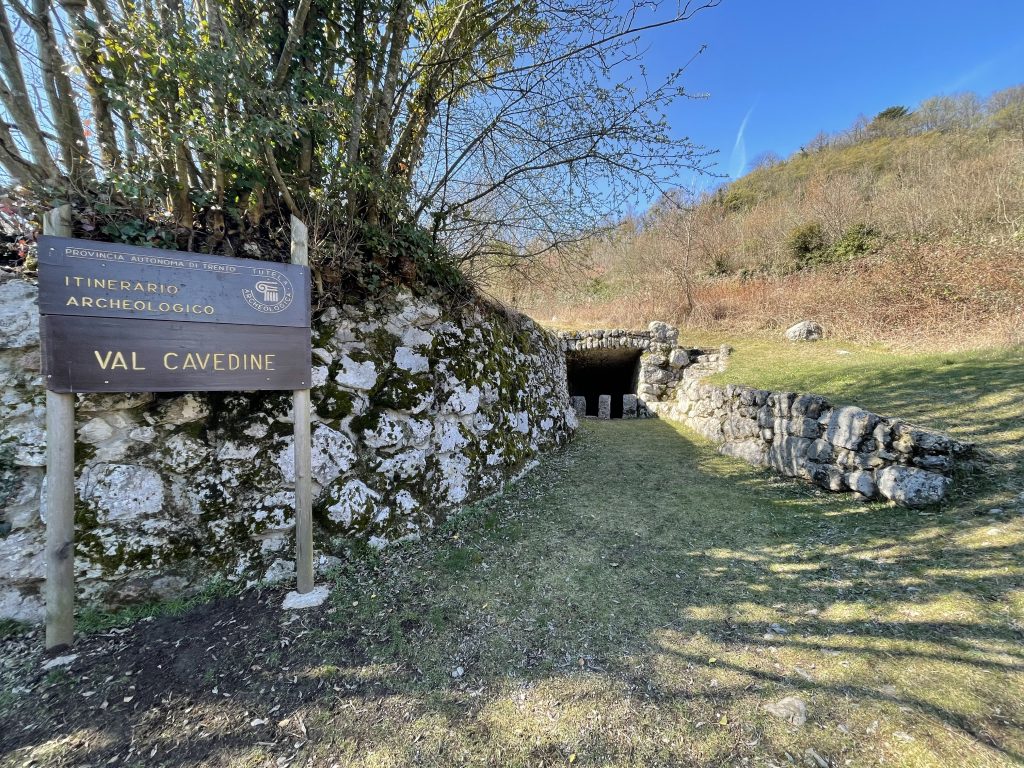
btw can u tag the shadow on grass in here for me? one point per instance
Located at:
(635, 601)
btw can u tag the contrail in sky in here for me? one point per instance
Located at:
(739, 148)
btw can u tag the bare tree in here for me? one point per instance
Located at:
(484, 121)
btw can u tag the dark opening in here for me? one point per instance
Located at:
(596, 372)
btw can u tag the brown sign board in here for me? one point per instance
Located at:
(119, 318)
(105, 354)
(92, 279)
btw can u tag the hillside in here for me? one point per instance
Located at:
(906, 229)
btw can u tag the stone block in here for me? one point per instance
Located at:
(751, 451)
(809, 406)
(579, 404)
(629, 406)
(848, 426)
(657, 376)
(820, 451)
(803, 427)
(826, 475)
(738, 428)
(678, 358)
(942, 463)
(922, 439)
(862, 482)
(604, 407)
(882, 434)
(781, 403)
(910, 486)
(663, 333)
(788, 455)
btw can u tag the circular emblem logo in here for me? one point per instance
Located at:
(271, 291)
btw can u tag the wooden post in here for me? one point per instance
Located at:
(303, 455)
(60, 491)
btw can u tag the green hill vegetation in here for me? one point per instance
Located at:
(905, 228)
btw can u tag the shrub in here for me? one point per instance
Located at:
(856, 241)
(806, 243)
(809, 247)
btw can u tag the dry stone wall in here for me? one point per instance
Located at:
(840, 448)
(418, 409)
(664, 364)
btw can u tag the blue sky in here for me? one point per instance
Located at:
(783, 71)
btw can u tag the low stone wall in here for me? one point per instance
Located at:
(840, 448)
(418, 409)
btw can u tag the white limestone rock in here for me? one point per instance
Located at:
(356, 375)
(280, 571)
(911, 487)
(19, 315)
(521, 422)
(788, 455)
(751, 451)
(411, 361)
(663, 333)
(238, 451)
(95, 431)
(29, 442)
(847, 426)
(805, 330)
(354, 499)
(403, 465)
(276, 512)
(678, 358)
(863, 482)
(449, 436)
(454, 480)
(389, 432)
(416, 338)
(122, 492)
(462, 400)
(318, 376)
(142, 434)
(183, 453)
(405, 502)
(183, 410)
(316, 597)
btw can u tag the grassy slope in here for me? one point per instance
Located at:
(612, 610)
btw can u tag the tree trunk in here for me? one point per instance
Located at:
(68, 122)
(87, 50)
(15, 98)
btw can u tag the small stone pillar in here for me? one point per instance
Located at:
(604, 407)
(579, 404)
(629, 406)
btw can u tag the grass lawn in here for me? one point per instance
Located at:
(636, 601)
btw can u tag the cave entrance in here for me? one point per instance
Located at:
(596, 372)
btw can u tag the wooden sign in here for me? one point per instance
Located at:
(120, 318)
(117, 318)
(90, 279)
(105, 354)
